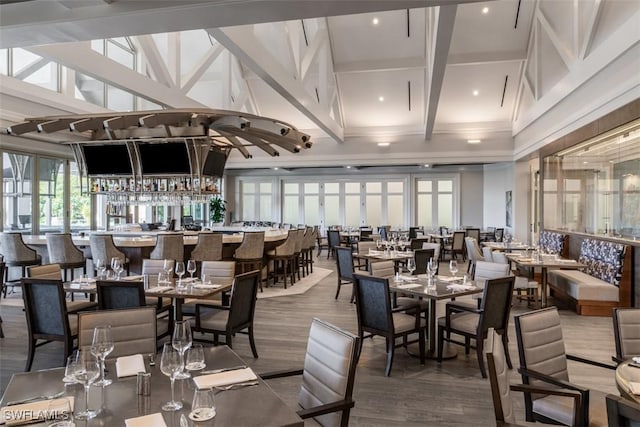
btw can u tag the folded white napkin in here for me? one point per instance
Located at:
(409, 278)
(409, 286)
(459, 287)
(448, 278)
(160, 289)
(634, 387)
(133, 278)
(28, 413)
(225, 378)
(151, 420)
(206, 286)
(129, 365)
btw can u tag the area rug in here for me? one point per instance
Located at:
(301, 286)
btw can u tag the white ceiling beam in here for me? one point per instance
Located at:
(45, 22)
(31, 68)
(243, 43)
(174, 57)
(442, 42)
(379, 65)
(201, 67)
(590, 30)
(293, 30)
(312, 52)
(154, 60)
(81, 57)
(563, 50)
(479, 58)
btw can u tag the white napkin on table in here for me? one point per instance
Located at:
(225, 378)
(127, 366)
(206, 286)
(151, 420)
(409, 286)
(28, 413)
(133, 278)
(459, 287)
(448, 278)
(634, 387)
(160, 288)
(409, 278)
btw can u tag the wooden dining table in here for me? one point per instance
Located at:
(246, 406)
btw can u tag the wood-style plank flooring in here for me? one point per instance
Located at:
(449, 394)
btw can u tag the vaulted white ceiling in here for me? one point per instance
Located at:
(350, 73)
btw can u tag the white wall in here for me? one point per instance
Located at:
(497, 180)
(471, 198)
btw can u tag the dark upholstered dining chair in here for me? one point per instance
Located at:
(376, 317)
(473, 323)
(328, 375)
(500, 385)
(333, 237)
(53, 271)
(235, 318)
(456, 247)
(118, 294)
(626, 330)
(47, 316)
(344, 260)
(543, 361)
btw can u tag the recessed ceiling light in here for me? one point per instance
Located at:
(474, 141)
(485, 10)
(375, 21)
(383, 144)
(475, 93)
(275, 169)
(381, 98)
(585, 162)
(348, 167)
(426, 166)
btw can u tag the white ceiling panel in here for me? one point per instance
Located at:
(360, 93)
(458, 103)
(357, 38)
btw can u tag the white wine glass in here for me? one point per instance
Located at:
(59, 413)
(100, 267)
(101, 346)
(191, 267)
(168, 267)
(180, 270)
(171, 364)
(181, 341)
(453, 267)
(85, 371)
(115, 266)
(411, 265)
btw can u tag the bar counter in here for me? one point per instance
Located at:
(137, 245)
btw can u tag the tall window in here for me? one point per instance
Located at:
(435, 202)
(331, 203)
(17, 191)
(51, 192)
(256, 202)
(291, 211)
(351, 204)
(80, 201)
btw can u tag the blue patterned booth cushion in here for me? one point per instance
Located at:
(603, 260)
(551, 242)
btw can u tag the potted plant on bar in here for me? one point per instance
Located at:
(217, 207)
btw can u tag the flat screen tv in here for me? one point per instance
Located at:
(214, 165)
(164, 158)
(108, 159)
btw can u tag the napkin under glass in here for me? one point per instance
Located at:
(225, 378)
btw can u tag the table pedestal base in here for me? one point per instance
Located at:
(448, 351)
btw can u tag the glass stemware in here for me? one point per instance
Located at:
(191, 268)
(59, 413)
(85, 371)
(181, 341)
(180, 271)
(453, 267)
(432, 268)
(168, 267)
(101, 346)
(100, 266)
(115, 266)
(171, 364)
(411, 265)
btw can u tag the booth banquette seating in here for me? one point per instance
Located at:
(552, 242)
(604, 283)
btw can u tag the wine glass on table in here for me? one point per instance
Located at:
(115, 267)
(181, 341)
(101, 346)
(191, 268)
(411, 265)
(100, 267)
(453, 267)
(180, 272)
(432, 268)
(167, 266)
(171, 364)
(85, 371)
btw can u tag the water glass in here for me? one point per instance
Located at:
(181, 341)
(59, 413)
(202, 406)
(171, 365)
(411, 265)
(85, 370)
(191, 267)
(453, 267)
(180, 271)
(195, 358)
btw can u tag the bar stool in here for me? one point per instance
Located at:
(169, 246)
(16, 254)
(103, 248)
(249, 254)
(283, 258)
(208, 248)
(64, 252)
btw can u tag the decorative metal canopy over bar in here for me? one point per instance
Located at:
(221, 128)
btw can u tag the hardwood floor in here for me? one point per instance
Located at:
(449, 394)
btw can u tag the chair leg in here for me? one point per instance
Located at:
(215, 339)
(32, 352)
(228, 339)
(467, 345)
(479, 348)
(440, 343)
(338, 290)
(1, 331)
(252, 343)
(421, 343)
(390, 350)
(505, 345)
